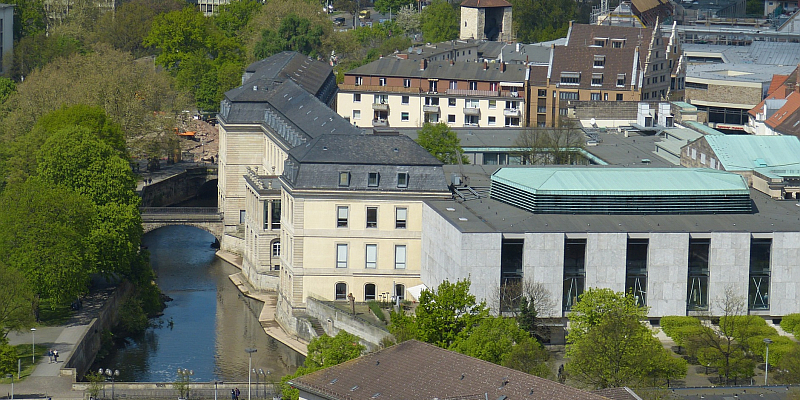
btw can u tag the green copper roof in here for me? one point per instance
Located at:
(748, 152)
(622, 181)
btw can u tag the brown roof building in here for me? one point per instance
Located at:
(414, 370)
(779, 112)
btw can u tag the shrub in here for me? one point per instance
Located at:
(679, 328)
(376, 309)
(780, 346)
(791, 324)
(745, 326)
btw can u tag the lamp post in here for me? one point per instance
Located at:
(215, 389)
(12, 384)
(249, 352)
(184, 378)
(767, 341)
(258, 380)
(111, 374)
(33, 345)
(263, 381)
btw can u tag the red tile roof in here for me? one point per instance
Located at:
(485, 3)
(779, 88)
(414, 370)
(787, 120)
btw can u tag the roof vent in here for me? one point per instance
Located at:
(462, 219)
(451, 209)
(353, 389)
(255, 87)
(376, 395)
(462, 375)
(324, 147)
(396, 150)
(333, 381)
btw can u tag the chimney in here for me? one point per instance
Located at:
(423, 64)
(485, 65)
(503, 66)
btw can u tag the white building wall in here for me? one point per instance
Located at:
(728, 266)
(605, 260)
(667, 273)
(784, 298)
(543, 262)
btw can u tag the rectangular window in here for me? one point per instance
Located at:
(344, 178)
(599, 61)
(570, 78)
(382, 81)
(242, 216)
(512, 105)
(595, 96)
(758, 293)
(431, 101)
(542, 92)
(636, 270)
(356, 114)
(451, 118)
(492, 121)
(621, 80)
(400, 257)
(473, 85)
(619, 96)
(597, 79)
(574, 271)
(569, 96)
(372, 217)
(373, 179)
(276, 249)
(541, 109)
(400, 219)
(472, 103)
(697, 295)
(404, 100)
(372, 256)
(342, 213)
(356, 97)
(492, 104)
(451, 102)
(471, 120)
(406, 83)
(562, 111)
(453, 85)
(404, 116)
(381, 99)
(341, 255)
(359, 81)
(617, 43)
(432, 85)
(402, 179)
(276, 214)
(266, 214)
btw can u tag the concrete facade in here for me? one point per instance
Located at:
(543, 259)
(668, 273)
(605, 260)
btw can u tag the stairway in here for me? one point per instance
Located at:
(316, 325)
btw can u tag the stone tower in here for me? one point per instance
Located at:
(486, 19)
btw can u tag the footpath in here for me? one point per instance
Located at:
(270, 300)
(47, 379)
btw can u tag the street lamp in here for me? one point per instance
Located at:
(112, 375)
(249, 352)
(184, 378)
(258, 379)
(12, 384)
(263, 381)
(767, 341)
(33, 345)
(215, 388)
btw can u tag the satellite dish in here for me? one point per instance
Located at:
(592, 121)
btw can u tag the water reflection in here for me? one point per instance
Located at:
(208, 324)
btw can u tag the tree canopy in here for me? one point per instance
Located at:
(440, 21)
(323, 352)
(295, 34)
(384, 6)
(608, 346)
(542, 20)
(442, 142)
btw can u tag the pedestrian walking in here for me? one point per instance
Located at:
(55, 356)
(237, 393)
(233, 394)
(50, 355)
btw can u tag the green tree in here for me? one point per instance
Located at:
(403, 326)
(443, 313)
(529, 357)
(608, 346)
(788, 369)
(294, 34)
(15, 301)
(34, 52)
(126, 28)
(8, 357)
(29, 18)
(7, 87)
(384, 6)
(42, 234)
(542, 20)
(233, 17)
(440, 22)
(408, 19)
(323, 352)
(442, 142)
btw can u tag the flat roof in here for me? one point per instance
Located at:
(759, 52)
(622, 181)
(618, 150)
(747, 152)
(486, 215)
(749, 73)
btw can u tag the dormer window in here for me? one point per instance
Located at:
(597, 79)
(617, 43)
(382, 81)
(359, 81)
(599, 61)
(600, 42)
(620, 80)
(570, 78)
(402, 180)
(373, 179)
(344, 178)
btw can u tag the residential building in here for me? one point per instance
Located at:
(6, 36)
(676, 238)
(603, 63)
(405, 93)
(779, 112)
(209, 7)
(486, 20)
(771, 164)
(415, 370)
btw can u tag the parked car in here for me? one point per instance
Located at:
(338, 21)
(363, 14)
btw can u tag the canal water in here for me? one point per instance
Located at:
(206, 327)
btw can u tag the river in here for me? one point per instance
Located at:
(206, 327)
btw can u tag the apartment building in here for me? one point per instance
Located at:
(393, 92)
(603, 63)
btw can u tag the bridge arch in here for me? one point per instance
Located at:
(205, 218)
(214, 230)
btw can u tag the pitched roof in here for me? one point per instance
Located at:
(618, 393)
(289, 65)
(747, 152)
(363, 149)
(485, 3)
(414, 370)
(787, 119)
(390, 66)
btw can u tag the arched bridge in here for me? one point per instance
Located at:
(208, 219)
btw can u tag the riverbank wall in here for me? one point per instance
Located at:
(180, 187)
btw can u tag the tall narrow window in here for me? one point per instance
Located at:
(401, 218)
(242, 216)
(369, 292)
(372, 217)
(371, 256)
(406, 83)
(276, 249)
(758, 293)
(276, 213)
(574, 271)
(341, 291)
(400, 257)
(266, 214)
(342, 213)
(344, 178)
(341, 255)
(402, 180)
(636, 270)
(697, 295)
(373, 179)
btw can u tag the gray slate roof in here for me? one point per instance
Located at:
(364, 149)
(310, 74)
(390, 66)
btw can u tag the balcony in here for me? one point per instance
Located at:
(475, 112)
(430, 109)
(512, 112)
(380, 106)
(380, 122)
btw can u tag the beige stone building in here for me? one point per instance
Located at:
(486, 20)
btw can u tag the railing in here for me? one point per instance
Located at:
(380, 106)
(179, 210)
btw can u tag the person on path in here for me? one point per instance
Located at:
(237, 393)
(50, 355)
(55, 356)
(233, 394)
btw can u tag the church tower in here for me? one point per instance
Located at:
(486, 20)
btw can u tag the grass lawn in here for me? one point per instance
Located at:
(24, 354)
